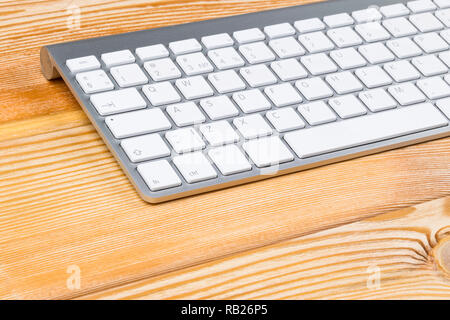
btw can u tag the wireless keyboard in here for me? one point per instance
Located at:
(208, 105)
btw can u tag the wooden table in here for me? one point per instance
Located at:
(365, 228)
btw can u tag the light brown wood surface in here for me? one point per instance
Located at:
(390, 256)
(64, 201)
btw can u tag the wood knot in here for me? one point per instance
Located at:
(441, 255)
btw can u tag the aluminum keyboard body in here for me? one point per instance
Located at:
(288, 142)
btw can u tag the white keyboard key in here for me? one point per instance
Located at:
(219, 133)
(444, 16)
(116, 58)
(226, 58)
(257, 76)
(268, 151)
(445, 57)
(373, 77)
(404, 48)
(94, 81)
(347, 106)
(344, 82)
(318, 64)
(185, 114)
(117, 101)
(348, 58)
(194, 87)
(162, 69)
(156, 51)
(316, 42)
(445, 34)
(251, 101)
(226, 81)
(421, 6)
(83, 64)
(363, 130)
(338, 20)
(283, 94)
(344, 37)
(402, 71)
(159, 175)
(129, 75)
(147, 147)
(161, 93)
(137, 122)
(377, 100)
(217, 41)
(406, 94)
(194, 167)
(447, 79)
(249, 35)
(394, 10)
(309, 25)
(285, 119)
(442, 3)
(434, 88)
(185, 140)
(229, 160)
(429, 65)
(376, 53)
(400, 27)
(426, 22)
(219, 107)
(194, 64)
(444, 106)
(257, 52)
(367, 15)
(279, 30)
(253, 126)
(314, 88)
(431, 42)
(287, 47)
(289, 69)
(185, 46)
(372, 32)
(316, 113)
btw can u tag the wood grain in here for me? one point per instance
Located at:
(64, 201)
(387, 257)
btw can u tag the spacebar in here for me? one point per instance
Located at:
(363, 130)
